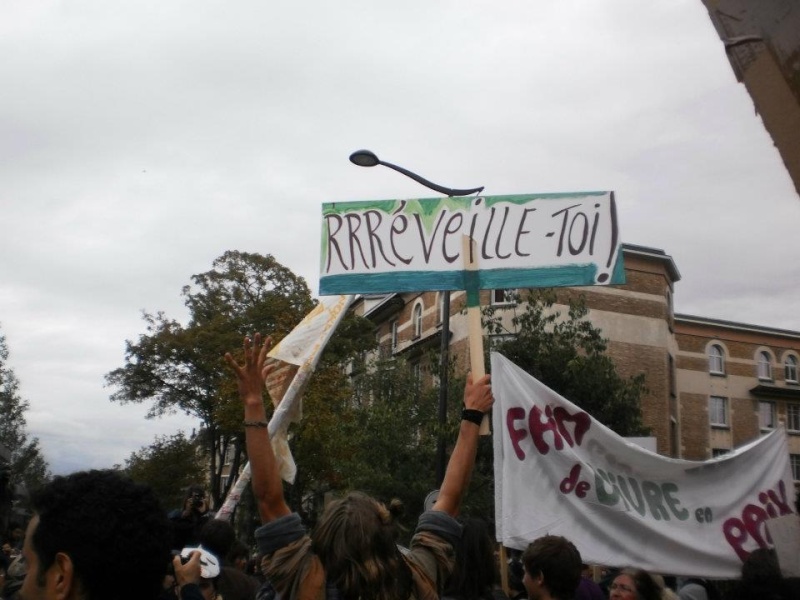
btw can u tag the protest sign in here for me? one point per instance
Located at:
(559, 471)
(530, 240)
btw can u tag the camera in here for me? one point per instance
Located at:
(197, 500)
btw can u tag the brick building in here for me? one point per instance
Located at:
(711, 385)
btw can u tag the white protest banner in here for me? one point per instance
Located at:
(303, 346)
(560, 472)
(530, 240)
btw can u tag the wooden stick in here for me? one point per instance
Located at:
(475, 328)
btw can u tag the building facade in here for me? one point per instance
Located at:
(711, 385)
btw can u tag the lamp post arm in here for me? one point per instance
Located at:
(430, 184)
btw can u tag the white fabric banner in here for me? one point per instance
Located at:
(303, 346)
(558, 471)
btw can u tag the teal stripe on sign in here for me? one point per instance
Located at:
(418, 281)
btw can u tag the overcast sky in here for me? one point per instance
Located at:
(141, 140)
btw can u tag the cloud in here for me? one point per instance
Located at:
(140, 142)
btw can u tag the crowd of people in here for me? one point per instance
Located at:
(98, 534)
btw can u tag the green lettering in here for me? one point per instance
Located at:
(674, 503)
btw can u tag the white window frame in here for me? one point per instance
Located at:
(716, 359)
(717, 405)
(794, 461)
(764, 366)
(417, 319)
(793, 417)
(502, 297)
(790, 368)
(394, 329)
(771, 422)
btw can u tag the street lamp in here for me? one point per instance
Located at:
(366, 158)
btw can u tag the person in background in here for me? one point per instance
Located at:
(588, 589)
(474, 574)
(95, 535)
(762, 579)
(218, 537)
(552, 568)
(187, 522)
(353, 552)
(634, 584)
(191, 583)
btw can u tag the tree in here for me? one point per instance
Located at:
(169, 465)
(180, 368)
(27, 465)
(568, 355)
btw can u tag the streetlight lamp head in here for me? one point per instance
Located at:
(364, 158)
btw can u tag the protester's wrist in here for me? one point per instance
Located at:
(472, 416)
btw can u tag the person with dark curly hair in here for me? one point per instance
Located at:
(552, 568)
(95, 535)
(353, 552)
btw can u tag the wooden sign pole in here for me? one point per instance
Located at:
(475, 328)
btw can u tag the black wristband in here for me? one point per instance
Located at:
(472, 415)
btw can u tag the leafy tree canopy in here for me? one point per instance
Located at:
(27, 465)
(169, 465)
(567, 353)
(180, 367)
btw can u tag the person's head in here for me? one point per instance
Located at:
(356, 541)
(95, 534)
(196, 497)
(552, 568)
(473, 576)
(217, 536)
(761, 572)
(239, 556)
(634, 584)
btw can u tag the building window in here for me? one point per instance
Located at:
(793, 417)
(502, 297)
(790, 369)
(718, 411)
(764, 366)
(394, 336)
(416, 373)
(795, 461)
(716, 360)
(715, 452)
(440, 307)
(417, 320)
(766, 415)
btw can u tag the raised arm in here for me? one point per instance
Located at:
(477, 397)
(266, 478)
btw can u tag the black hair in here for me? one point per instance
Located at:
(217, 536)
(114, 531)
(558, 561)
(474, 575)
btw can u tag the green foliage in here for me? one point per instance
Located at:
(568, 355)
(395, 425)
(27, 464)
(180, 368)
(169, 465)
